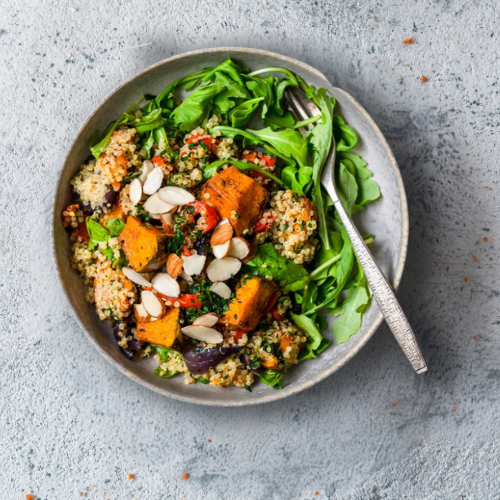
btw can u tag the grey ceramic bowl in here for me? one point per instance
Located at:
(387, 218)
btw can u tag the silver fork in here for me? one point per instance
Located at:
(304, 108)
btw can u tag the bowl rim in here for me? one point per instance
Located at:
(301, 386)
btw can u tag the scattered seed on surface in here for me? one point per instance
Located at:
(454, 409)
(424, 79)
(131, 476)
(476, 337)
(185, 476)
(485, 239)
(466, 279)
(474, 258)
(408, 41)
(395, 404)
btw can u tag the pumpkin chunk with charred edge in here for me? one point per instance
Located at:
(164, 331)
(252, 296)
(236, 197)
(143, 245)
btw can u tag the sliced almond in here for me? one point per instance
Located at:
(203, 333)
(166, 285)
(140, 312)
(223, 269)
(222, 233)
(153, 181)
(239, 248)
(221, 251)
(154, 205)
(135, 191)
(174, 266)
(251, 253)
(222, 290)
(167, 224)
(147, 168)
(135, 277)
(209, 320)
(153, 305)
(175, 195)
(194, 264)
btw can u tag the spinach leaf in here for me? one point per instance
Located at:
(268, 262)
(189, 114)
(309, 326)
(115, 227)
(211, 169)
(350, 313)
(271, 378)
(320, 139)
(241, 114)
(288, 142)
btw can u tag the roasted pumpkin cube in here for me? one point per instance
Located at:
(164, 331)
(143, 245)
(236, 197)
(252, 296)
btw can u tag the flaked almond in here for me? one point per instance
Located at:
(209, 320)
(174, 266)
(166, 285)
(222, 233)
(153, 181)
(223, 269)
(175, 195)
(203, 333)
(221, 251)
(135, 277)
(239, 248)
(152, 304)
(154, 205)
(147, 168)
(222, 290)
(194, 264)
(186, 277)
(135, 191)
(140, 312)
(251, 253)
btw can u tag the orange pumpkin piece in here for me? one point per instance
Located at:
(252, 296)
(165, 331)
(236, 197)
(116, 213)
(143, 245)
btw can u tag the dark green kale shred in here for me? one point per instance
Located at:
(211, 301)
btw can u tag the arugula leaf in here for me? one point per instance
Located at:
(211, 169)
(148, 142)
(223, 102)
(97, 233)
(309, 326)
(350, 313)
(345, 136)
(159, 372)
(187, 83)
(271, 378)
(368, 189)
(288, 142)
(161, 139)
(163, 352)
(268, 262)
(273, 121)
(96, 148)
(241, 114)
(264, 88)
(297, 179)
(115, 227)
(347, 188)
(189, 114)
(228, 67)
(320, 139)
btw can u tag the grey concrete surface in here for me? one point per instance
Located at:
(71, 425)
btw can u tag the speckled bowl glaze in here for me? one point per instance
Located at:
(387, 218)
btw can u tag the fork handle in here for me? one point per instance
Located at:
(382, 291)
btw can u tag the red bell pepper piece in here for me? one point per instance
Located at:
(260, 227)
(186, 251)
(185, 300)
(212, 217)
(277, 315)
(272, 302)
(208, 141)
(238, 334)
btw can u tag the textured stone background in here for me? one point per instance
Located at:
(71, 424)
